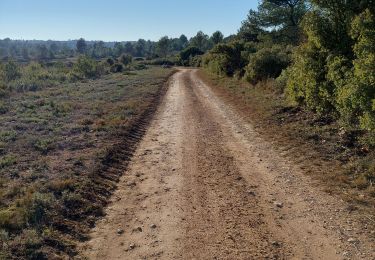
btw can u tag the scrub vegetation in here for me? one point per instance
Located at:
(71, 112)
(61, 123)
(312, 65)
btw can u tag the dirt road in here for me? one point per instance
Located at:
(204, 185)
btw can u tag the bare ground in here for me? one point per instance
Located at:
(203, 184)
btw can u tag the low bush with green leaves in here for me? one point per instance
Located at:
(187, 55)
(87, 68)
(268, 63)
(125, 59)
(228, 59)
(338, 79)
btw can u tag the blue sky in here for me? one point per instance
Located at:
(117, 20)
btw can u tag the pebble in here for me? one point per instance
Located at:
(139, 229)
(352, 240)
(252, 193)
(278, 204)
(120, 231)
(131, 246)
(153, 226)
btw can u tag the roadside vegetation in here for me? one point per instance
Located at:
(65, 126)
(312, 66)
(71, 111)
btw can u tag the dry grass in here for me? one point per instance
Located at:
(62, 149)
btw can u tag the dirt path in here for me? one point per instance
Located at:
(204, 185)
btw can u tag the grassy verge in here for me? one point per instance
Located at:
(317, 144)
(62, 150)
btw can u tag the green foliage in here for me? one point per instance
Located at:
(307, 84)
(43, 197)
(35, 76)
(3, 88)
(7, 160)
(201, 41)
(281, 81)
(85, 67)
(3, 108)
(171, 61)
(32, 209)
(126, 59)
(116, 68)
(189, 53)
(276, 20)
(71, 199)
(140, 48)
(99, 50)
(81, 46)
(363, 31)
(43, 145)
(37, 207)
(110, 61)
(334, 71)
(217, 37)
(267, 63)
(8, 136)
(11, 71)
(227, 59)
(195, 61)
(11, 219)
(163, 46)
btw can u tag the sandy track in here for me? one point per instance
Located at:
(204, 185)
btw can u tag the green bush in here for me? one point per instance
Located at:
(363, 32)
(227, 59)
(195, 61)
(4, 91)
(126, 59)
(117, 67)
(3, 108)
(72, 200)
(110, 61)
(85, 67)
(267, 63)
(35, 76)
(11, 71)
(37, 208)
(307, 83)
(282, 80)
(188, 54)
(43, 146)
(6, 161)
(11, 219)
(329, 78)
(8, 136)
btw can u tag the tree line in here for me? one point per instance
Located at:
(23, 50)
(320, 53)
